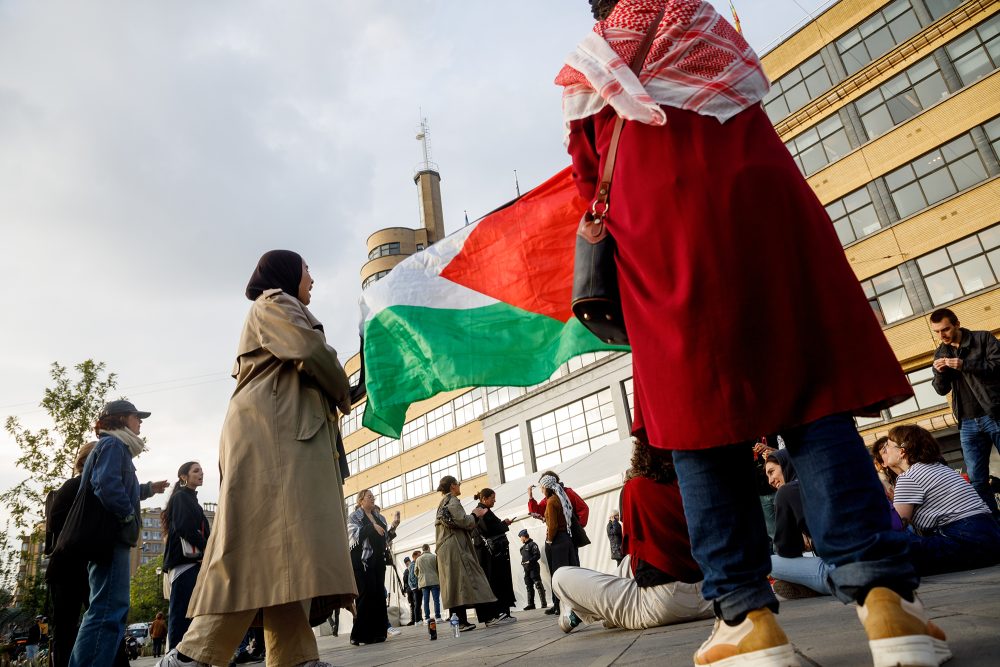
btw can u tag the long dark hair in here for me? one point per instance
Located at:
(445, 485)
(165, 514)
(484, 494)
(651, 462)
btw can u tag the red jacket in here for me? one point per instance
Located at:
(579, 506)
(654, 529)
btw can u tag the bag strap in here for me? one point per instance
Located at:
(600, 206)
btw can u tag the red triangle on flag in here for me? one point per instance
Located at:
(523, 253)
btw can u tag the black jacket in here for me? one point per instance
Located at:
(980, 355)
(789, 521)
(530, 555)
(57, 506)
(186, 519)
(615, 538)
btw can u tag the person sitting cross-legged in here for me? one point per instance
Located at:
(658, 582)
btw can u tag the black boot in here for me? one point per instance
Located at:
(541, 595)
(531, 600)
(554, 609)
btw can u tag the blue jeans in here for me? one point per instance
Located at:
(966, 544)
(809, 572)
(428, 591)
(844, 506)
(979, 436)
(180, 597)
(103, 626)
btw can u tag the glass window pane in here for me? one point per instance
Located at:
(903, 107)
(797, 97)
(968, 171)
(879, 43)
(973, 66)
(895, 306)
(943, 287)
(964, 249)
(908, 200)
(933, 262)
(813, 159)
(937, 186)
(990, 238)
(855, 58)
(931, 90)
(844, 231)
(818, 83)
(877, 122)
(975, 274)
(865, 221)
(900, 177)
(836, 146)
(887, 281)
(903, 28)
(928, 163)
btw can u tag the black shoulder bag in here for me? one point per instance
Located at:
(91, 531)
(596, 299)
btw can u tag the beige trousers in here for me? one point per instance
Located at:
(213, 638)
(621, 603)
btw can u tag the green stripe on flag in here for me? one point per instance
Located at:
(413, 353)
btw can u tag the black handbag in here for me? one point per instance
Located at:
(91, 532)
(577, 533)
(596, 299)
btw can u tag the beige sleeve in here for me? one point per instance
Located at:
(285, 332)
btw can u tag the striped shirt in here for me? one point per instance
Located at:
(940, 495)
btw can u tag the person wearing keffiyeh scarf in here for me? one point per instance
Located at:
(731, 275)
(559, 548)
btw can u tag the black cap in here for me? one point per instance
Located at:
(121, 408)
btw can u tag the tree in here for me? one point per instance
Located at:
(47, 454)
(146, 593)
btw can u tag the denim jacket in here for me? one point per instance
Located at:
(116, 486)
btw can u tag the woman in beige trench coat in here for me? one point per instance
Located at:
(280, 537)
(463, 582)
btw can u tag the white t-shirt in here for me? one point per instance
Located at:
(940, 495)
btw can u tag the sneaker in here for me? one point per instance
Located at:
(568, 621)
(171, 660)
(528, 608)
(792, 591)
(466, 627)
(899, 632)
(757, 641)
(503, 619)
(394, 632)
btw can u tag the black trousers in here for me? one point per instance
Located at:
(559, 553)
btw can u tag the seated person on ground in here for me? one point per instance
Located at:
(658, 582)
(797, 571)
(952, 528)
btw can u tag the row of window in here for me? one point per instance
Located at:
(384, 249)
(959, 269)
(972, 55)
(464, 464)
(917, 185)
(378, 275)
(924, 397)
(878, 34)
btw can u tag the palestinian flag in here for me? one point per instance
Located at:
(486, 306)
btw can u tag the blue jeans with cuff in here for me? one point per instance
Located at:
(103, 625)
(844, 505)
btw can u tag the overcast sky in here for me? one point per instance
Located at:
(151, 151)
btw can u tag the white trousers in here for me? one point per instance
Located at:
(621, 603)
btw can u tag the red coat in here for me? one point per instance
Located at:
(579, 506)
(654, 529)
(743, 313)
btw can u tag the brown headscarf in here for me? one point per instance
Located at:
(276, 269)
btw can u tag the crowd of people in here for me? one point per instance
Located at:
(695, 535)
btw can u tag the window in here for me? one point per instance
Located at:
(497, 396)
(962, 267)
(627, 386)
(820, 145)
(384, 249)
(420, 246)
(472, 461)
(440, 420)
(391, 492)
(387, 448)
(902, 97)
(935, 176)
(353, 461)
(351, 422)
(854, 216)
(414, 432)
(574, 430)
(418, 482)
(924, 395)
(794, 90)
(992, 130)
(877, 35)
(887, 296)
(354, 378)
(511, 453)
(374, 277)
(445, 466)
(976, 53)
(468, 407)
(939, 8)
(367, 456)
(585, 359)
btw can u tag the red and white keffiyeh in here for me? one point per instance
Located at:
(697, 62)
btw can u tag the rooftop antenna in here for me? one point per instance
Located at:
(424, 137)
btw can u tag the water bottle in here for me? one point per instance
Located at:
(432, 629)
(454, 626)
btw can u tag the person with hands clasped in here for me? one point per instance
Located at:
(494, 557)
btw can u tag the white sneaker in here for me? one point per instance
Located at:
(171, 660)
(568, 621)
(899, 631)
(394, 632)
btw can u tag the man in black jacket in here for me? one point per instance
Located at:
(967, 364)
(530, 556)
(615, 537)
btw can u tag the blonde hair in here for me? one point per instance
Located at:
(81, 456)
(361, 496)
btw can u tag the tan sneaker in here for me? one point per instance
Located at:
(756, 642)
(899, 633)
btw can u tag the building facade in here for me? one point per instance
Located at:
(153, 539)
(891, 109)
